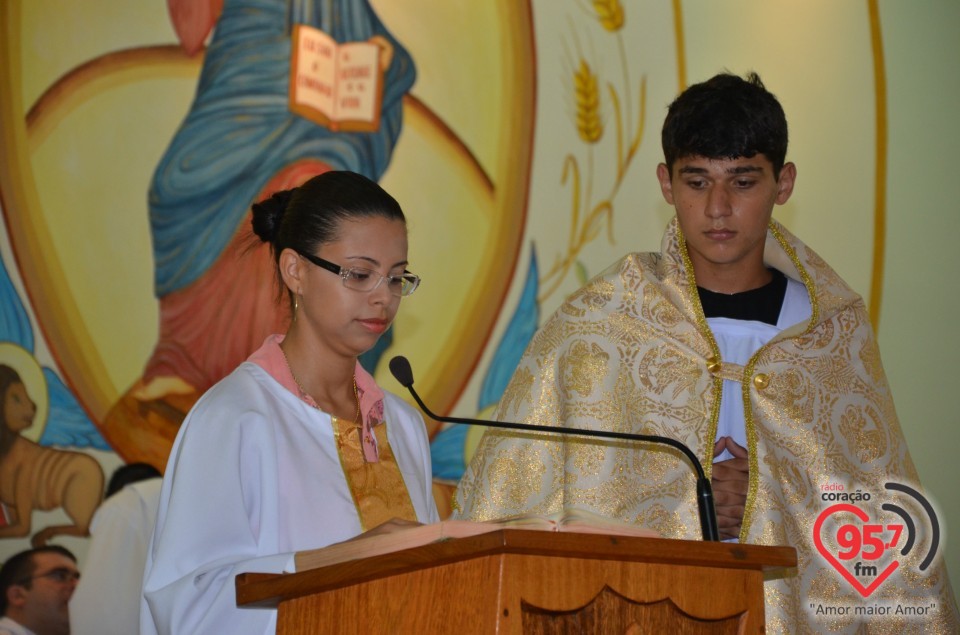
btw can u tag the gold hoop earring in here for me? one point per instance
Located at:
(296, 306)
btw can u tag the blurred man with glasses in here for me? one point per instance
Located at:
(35, 590)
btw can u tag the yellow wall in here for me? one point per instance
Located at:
(917, 338)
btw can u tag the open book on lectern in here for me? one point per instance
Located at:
(571, 520)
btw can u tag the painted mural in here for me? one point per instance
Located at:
(520, 137)
(38, 413)
(236, 143)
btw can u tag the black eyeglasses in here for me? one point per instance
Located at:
(362, 279)
(61, 575)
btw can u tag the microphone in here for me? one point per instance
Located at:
(400, 368)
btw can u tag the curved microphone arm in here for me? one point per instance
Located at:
(400, 368)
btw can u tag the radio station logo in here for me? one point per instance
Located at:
(866, 547)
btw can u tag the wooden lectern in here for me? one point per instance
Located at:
(525, 581)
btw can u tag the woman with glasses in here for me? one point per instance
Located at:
(298, 448)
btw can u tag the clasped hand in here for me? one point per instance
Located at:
(730, 483)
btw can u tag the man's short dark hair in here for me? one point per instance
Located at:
(20, 567)
(726, 117)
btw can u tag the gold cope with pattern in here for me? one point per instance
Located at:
(632, 352)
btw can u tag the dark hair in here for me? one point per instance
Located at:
(130, 473)
(20, 567)
(726, 117)
(312, 214)
(8, 377)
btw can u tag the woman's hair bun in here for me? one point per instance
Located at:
(268, 214)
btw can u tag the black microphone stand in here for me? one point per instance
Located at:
(401, 370)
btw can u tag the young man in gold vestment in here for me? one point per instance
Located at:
(741, 342)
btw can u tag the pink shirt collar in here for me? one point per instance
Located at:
(270, 358)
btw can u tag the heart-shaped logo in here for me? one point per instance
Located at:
(878, 576)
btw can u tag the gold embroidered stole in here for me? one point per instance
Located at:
(378, 489)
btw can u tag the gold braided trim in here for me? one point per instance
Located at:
(804, 276)
(754, 462)
(705, 331)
